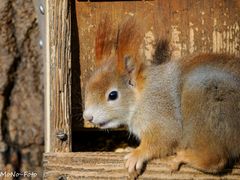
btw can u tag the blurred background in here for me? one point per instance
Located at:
(21, 88)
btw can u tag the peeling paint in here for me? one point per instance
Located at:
(191, 38)
(175, 42)
(149, 42)
(89, 28)
(223, 41)
(214, 22)
(130, 13)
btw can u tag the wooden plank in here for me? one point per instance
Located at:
(191, 26)
(59, 58)
(109, 165)
(47, 122)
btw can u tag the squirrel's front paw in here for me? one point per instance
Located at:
(135, 162)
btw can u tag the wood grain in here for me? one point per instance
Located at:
(109, 165)
(191, 26)
(59, 39)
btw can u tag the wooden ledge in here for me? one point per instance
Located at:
(110, 165)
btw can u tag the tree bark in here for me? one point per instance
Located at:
(21, 88)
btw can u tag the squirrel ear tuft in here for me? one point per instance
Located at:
(105, 41)
(128, 43)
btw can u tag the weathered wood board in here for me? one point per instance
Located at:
(59, 76)
(191, 26)
(105, 165)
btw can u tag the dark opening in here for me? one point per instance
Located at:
(90, 139)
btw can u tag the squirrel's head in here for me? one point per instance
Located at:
(112, 91)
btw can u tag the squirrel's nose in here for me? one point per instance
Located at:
(87, 117)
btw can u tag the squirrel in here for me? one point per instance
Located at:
(187, 109)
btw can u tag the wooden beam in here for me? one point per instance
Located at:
(59, 64)
(110, 165)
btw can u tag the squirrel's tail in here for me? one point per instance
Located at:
(162, 52)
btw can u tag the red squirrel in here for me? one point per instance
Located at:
(188, 108)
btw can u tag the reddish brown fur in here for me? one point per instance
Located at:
(171, 113)
(159, 146)
(128, 43)
(98, 84)
(201, 159)
(104, 42)
(218, 60)
(124, 43)
(140, 79)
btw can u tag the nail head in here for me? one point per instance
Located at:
(41, 43)
(41, 8)
(62, 136)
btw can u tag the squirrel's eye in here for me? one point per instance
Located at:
(113, 96)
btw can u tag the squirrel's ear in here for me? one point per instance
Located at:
(133, 69)
(128, 43)
(129, 64)
(130, 68)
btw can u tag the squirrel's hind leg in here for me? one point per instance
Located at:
(201, 160)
